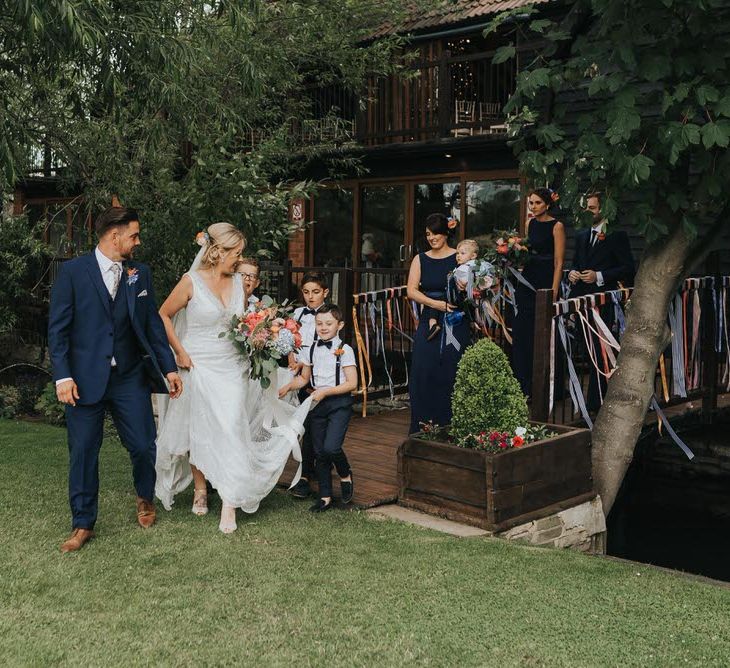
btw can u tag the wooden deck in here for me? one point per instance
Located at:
(371, 446)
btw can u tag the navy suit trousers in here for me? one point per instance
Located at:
(127, 397)
(328, 422)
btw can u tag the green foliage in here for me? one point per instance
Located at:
(49, 407)
(636, 98)
(486, 397)
(10, 400)
(189, 110)
(21, 261)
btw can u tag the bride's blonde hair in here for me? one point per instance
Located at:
(222, 237)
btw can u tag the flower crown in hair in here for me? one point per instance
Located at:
(553, 195)
(452, 223)
(202, 238)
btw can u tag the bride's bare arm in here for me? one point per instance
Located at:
(177, 299)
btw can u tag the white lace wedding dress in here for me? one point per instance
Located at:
(237, 434)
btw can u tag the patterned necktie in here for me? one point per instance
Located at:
(117, 273)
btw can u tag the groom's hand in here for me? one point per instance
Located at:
(67, 392)
(176, 385)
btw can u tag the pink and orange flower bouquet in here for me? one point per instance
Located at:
(263, 335)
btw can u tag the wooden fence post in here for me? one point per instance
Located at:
(285, 287)
(540, 404)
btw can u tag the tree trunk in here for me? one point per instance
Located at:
(621, 417)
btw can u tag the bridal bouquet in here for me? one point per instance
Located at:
(510, 253)
(264, 334)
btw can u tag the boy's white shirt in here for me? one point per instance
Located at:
(307, 331)
(325, 362)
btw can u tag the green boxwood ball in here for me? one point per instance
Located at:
(487, 396)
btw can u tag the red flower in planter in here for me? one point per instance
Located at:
(518, 441)
(503, 445)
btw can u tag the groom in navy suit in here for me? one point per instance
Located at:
(109, 350)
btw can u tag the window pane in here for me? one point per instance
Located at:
(491, 205)
(433, 198)
(333, 228)
(383, 217)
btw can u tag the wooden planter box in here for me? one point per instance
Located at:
(497, 491)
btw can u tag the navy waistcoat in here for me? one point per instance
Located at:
(126, 349)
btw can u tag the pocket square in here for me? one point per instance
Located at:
(142, 294)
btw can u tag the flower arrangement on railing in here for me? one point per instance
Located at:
(263, 335)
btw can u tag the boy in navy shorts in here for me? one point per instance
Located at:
(331, 371)
(314, 293)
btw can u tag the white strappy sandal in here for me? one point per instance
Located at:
(200, 502)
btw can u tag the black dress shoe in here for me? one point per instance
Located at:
(348, 490)
(301, 490)
(320, 506)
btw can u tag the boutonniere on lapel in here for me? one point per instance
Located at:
(601, 231)
(339, 352)
(132, 275)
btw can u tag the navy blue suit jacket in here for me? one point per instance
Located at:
(80, 327)
(611, 256)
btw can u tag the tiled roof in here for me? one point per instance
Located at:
(455, 12)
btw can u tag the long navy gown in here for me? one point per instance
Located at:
(539, 273)
(433, 369)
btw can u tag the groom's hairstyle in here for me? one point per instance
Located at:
(114, 216)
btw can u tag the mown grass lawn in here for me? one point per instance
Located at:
(292, 589)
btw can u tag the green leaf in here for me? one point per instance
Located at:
(722, 108)
(638, 168)
(713, 134)
(707, 94)
(540, 25)
(503, 54)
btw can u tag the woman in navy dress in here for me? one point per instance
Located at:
(433, 365)
(544, 270)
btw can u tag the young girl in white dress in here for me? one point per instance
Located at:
(224, 428)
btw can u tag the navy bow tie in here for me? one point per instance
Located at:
(309, 311)
(326, 344)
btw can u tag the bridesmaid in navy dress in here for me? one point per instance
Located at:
(433, 365)
(546, 238)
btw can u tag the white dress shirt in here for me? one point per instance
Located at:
(324, 361)
(595, 231)
(105, 266)
(308, 331)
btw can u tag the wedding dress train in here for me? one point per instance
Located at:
(237, 434)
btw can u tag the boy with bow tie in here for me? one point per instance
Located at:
(314, 293)
(331, 371)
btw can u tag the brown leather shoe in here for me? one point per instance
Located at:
(146, 513)
(77, 539)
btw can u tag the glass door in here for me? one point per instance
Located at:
(382, 242)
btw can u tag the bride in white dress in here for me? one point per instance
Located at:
(224, 427)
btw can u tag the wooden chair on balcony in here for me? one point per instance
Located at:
(464, 113)
(490, 113)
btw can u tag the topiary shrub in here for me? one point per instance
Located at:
(487, 396)
(9, 401)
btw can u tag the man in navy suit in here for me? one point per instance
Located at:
(109, 350)
(600, 262)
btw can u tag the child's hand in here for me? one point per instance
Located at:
(318, 395)
(284, 390)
